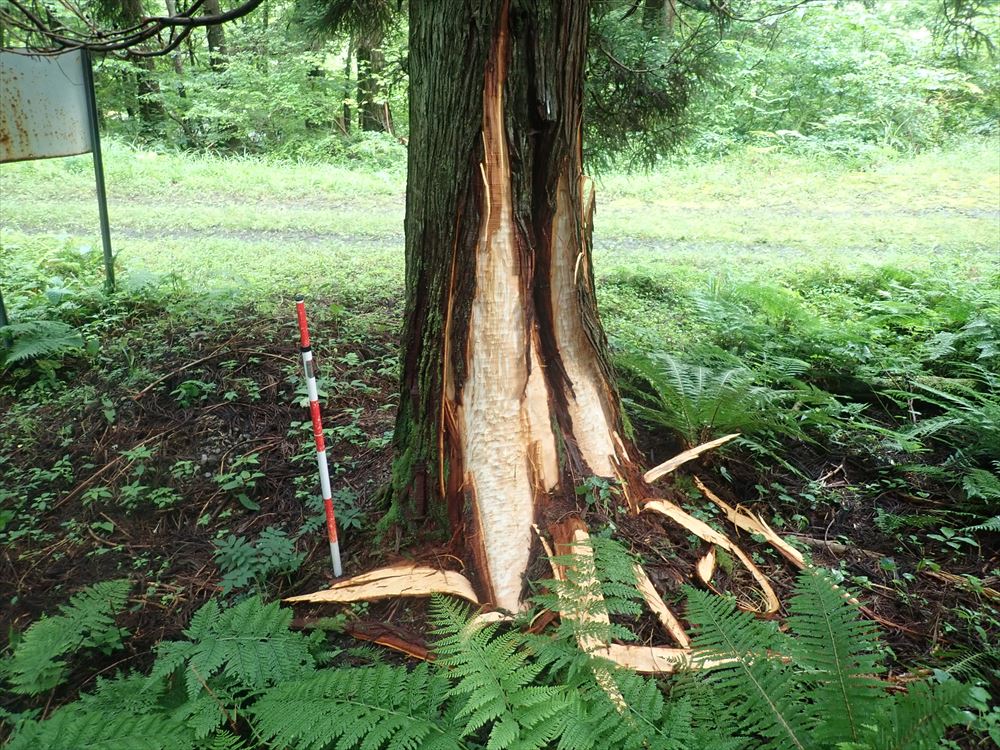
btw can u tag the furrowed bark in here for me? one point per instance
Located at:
(507, 398)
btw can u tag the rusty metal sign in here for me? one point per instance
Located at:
(43, 106)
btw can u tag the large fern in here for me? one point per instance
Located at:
(917, 719)
(836, 652)
(700, 403)
(495, 680)
(34, 339)
(248, 645)
(87, 621)
(370, 707)
(772, 708)
(817, 687)
(601, 582)
(248, 681)
(74, 727)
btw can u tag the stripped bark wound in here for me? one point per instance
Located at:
(507, 406)
(502, 408)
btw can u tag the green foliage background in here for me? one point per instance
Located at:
(848, 79)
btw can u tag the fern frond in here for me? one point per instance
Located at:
(982, 484)
(34, 339)
(772, 706)
(700, 403)
(226, 741)
(372, 707)
(990, 525)
(86, 621)
(837, 650)
(249, 645)
(494, 680)
(72, 728)
(602, 583)
(917, 719)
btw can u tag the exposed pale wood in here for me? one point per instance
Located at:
(755, 525)
(706, 567)
(710, 535)
(587, 402)
(399, 580)
(670, 622)
(508, 445)
(487, 618)
(682, 458)
(657, 659)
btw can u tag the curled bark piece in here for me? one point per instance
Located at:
(670, 623)
(682, 458)
(706, 567)
(398, 580)
(755, 525)
(710, 535)
(390, 637)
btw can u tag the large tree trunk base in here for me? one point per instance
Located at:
(570, 536)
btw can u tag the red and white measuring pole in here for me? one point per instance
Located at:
(324, 470)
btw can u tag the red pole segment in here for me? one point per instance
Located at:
(317, 422)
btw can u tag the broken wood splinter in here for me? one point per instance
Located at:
(682, 458)
(398, 580)
(702, 530)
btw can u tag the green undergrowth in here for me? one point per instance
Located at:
(239, 677)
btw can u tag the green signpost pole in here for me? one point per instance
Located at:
(102, 197)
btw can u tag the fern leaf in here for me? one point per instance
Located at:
(917, 720)
(368, 707)
(87, 620)
(982, 484)
(836, 648)
(495, 680)
(39, 338)
(71, 728)
(248, 644)
(773, 707)
(990, 525)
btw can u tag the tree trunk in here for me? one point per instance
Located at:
(177, 58)
(371, 62)
(507, 399)
(346, 99)
(658, 17)
(216, 38)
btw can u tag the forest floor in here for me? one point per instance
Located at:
(175, 452)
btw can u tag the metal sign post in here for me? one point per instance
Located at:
(48, 109)
(95, 148)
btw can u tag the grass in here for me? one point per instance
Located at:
(761, 213)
